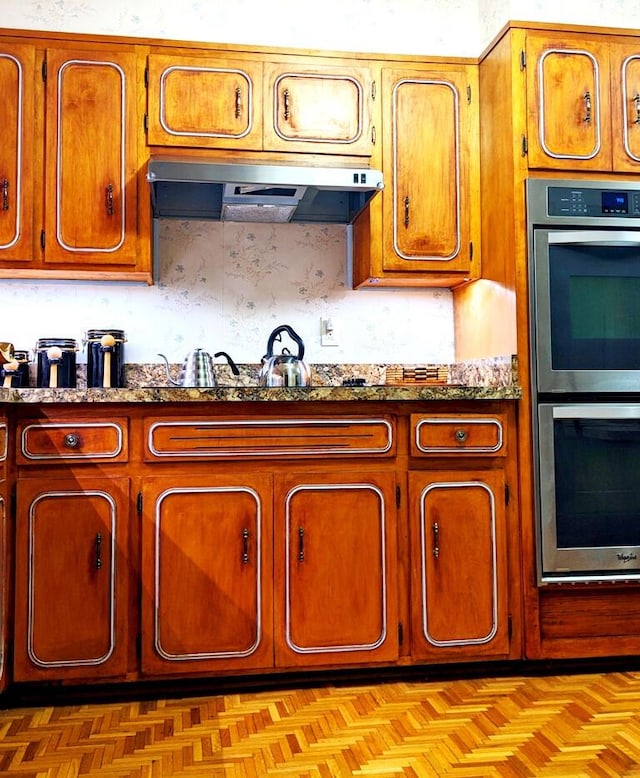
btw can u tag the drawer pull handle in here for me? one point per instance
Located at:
(636, 100)
(407, 203)
(245, 546)
(109, 199)
(72, 440)
(300, 544)
(587, 107)
(5, 194)
(98, 551)
(436, 539)
(461, 435)
(287, 108)
(238, 94)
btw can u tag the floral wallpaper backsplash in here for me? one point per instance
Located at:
(226, 286)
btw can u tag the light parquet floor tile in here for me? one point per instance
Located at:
(566, 726)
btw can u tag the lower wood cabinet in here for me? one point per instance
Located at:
(71, 618)
(5, 588)
(261, 571)
(206, 573)
(459, 604)
(163, 547)
(336, 568)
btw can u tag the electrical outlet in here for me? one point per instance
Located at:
(328, 332)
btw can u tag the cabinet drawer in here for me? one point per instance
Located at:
(194, 439)
(69, 440)
(466, 434)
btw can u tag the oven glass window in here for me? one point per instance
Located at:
(595, 307)
(597, 487)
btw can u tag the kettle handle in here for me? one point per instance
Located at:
(232, 364)
(292, 334)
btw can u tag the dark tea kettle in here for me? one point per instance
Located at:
(284, 369)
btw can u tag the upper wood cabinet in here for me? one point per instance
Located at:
(17, 69)
(428, 230)
(318, 108)
(90, 152)
(204, 102)
(253, 104)
(583, 96)
(70, 164)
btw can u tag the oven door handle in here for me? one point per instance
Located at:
(595, 237)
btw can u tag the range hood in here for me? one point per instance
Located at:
(196, 188)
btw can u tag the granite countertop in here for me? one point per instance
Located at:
(493, 379)
(258, 394)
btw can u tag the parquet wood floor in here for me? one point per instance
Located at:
(568, 726)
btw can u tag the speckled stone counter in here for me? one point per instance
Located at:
(483, 380)
(255, 394)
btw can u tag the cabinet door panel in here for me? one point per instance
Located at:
(318, 109)
(569, 104)
(431, 169)
(625, 107)
(204, 102)
(336, 540)
(5, 588)
(91, 184)
(206, 569)
(71, 579)
(460, 573)
(17, 67)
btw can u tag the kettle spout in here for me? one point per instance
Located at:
(166, 365)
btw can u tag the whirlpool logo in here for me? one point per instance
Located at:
(626, 557)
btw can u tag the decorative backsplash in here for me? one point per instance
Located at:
(226, 286)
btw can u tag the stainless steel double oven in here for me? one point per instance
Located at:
(584, 282)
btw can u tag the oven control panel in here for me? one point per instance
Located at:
(589, 202)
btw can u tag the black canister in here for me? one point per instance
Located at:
(105, 358)
(22, 357)
(56, 362)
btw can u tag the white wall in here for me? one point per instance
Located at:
(225, 286)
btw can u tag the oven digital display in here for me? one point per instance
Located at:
(615, 202)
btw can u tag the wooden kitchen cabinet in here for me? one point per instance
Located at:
(459, 539)
(337, 572)
(6, 543)
(17, 96)
(204, 102)
(319, 108)
(251, 103)
(583, 102)
(73, 562)
(72, 164)
(206, 574)
(71, 578)
(424, 229)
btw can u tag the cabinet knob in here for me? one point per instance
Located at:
(461, 435)
(72, 440)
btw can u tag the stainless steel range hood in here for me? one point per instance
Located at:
(196, 188)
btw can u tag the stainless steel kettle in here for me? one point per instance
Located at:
(284, 369)
(198, 368)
